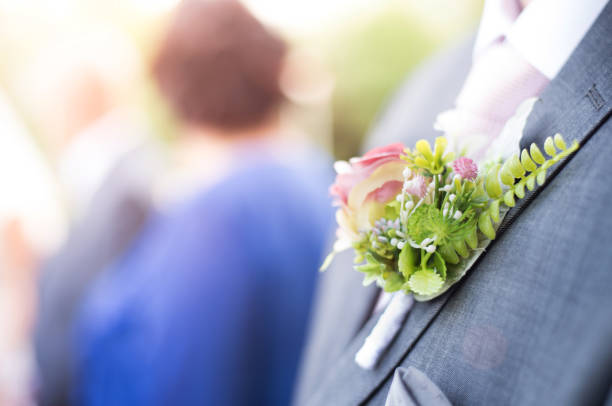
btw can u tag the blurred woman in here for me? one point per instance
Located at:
(210, 304)
(105, 162)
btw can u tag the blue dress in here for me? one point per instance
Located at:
(210, 306)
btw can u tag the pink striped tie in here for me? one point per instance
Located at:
(499, 80)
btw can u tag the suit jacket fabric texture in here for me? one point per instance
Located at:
(530, 324)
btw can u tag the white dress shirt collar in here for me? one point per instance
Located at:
(546, 32)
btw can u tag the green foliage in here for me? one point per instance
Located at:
(448, 253)
(373, 269)
(439, 265)
(485, 224)
(461, 248)
(434, 162)
(393, 281)
(492, 185)
(425, 222)
(471, 237)
(424, 250)
(428, 221)
(425, 282)
(407, 262)
(516, 174)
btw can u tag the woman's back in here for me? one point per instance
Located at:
(212, 303)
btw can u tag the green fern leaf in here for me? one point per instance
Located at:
(519, 190)
(506, 175)
(485, 225)
(530, 182)
(472, 238)
(515, 166)
(509, 198)
(541, 177)
(494, 210)
(549, 147)
(492, 185)
(536, 154)
(560, 142)
(527, 162)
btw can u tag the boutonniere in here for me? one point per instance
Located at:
(418, 218)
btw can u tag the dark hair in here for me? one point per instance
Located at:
(219, 66)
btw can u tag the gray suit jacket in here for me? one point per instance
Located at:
(531, 323)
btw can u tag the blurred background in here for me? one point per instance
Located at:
(351, 55)
(65, 61)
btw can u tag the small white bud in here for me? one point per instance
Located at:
(407, 173)
(430, 249)
(394, 241)
(342, 167)
(457, 215)
(401, 244)
(452, 197)
(426, 241)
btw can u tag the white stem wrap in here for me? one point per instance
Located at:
(384, 331)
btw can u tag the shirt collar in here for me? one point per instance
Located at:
(497, 19)
(546, 32)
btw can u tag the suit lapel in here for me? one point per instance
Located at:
(348, 384)
(575, 104)
(342, 306)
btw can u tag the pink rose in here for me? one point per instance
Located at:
(359, 169)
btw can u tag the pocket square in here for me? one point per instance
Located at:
(411, 387)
